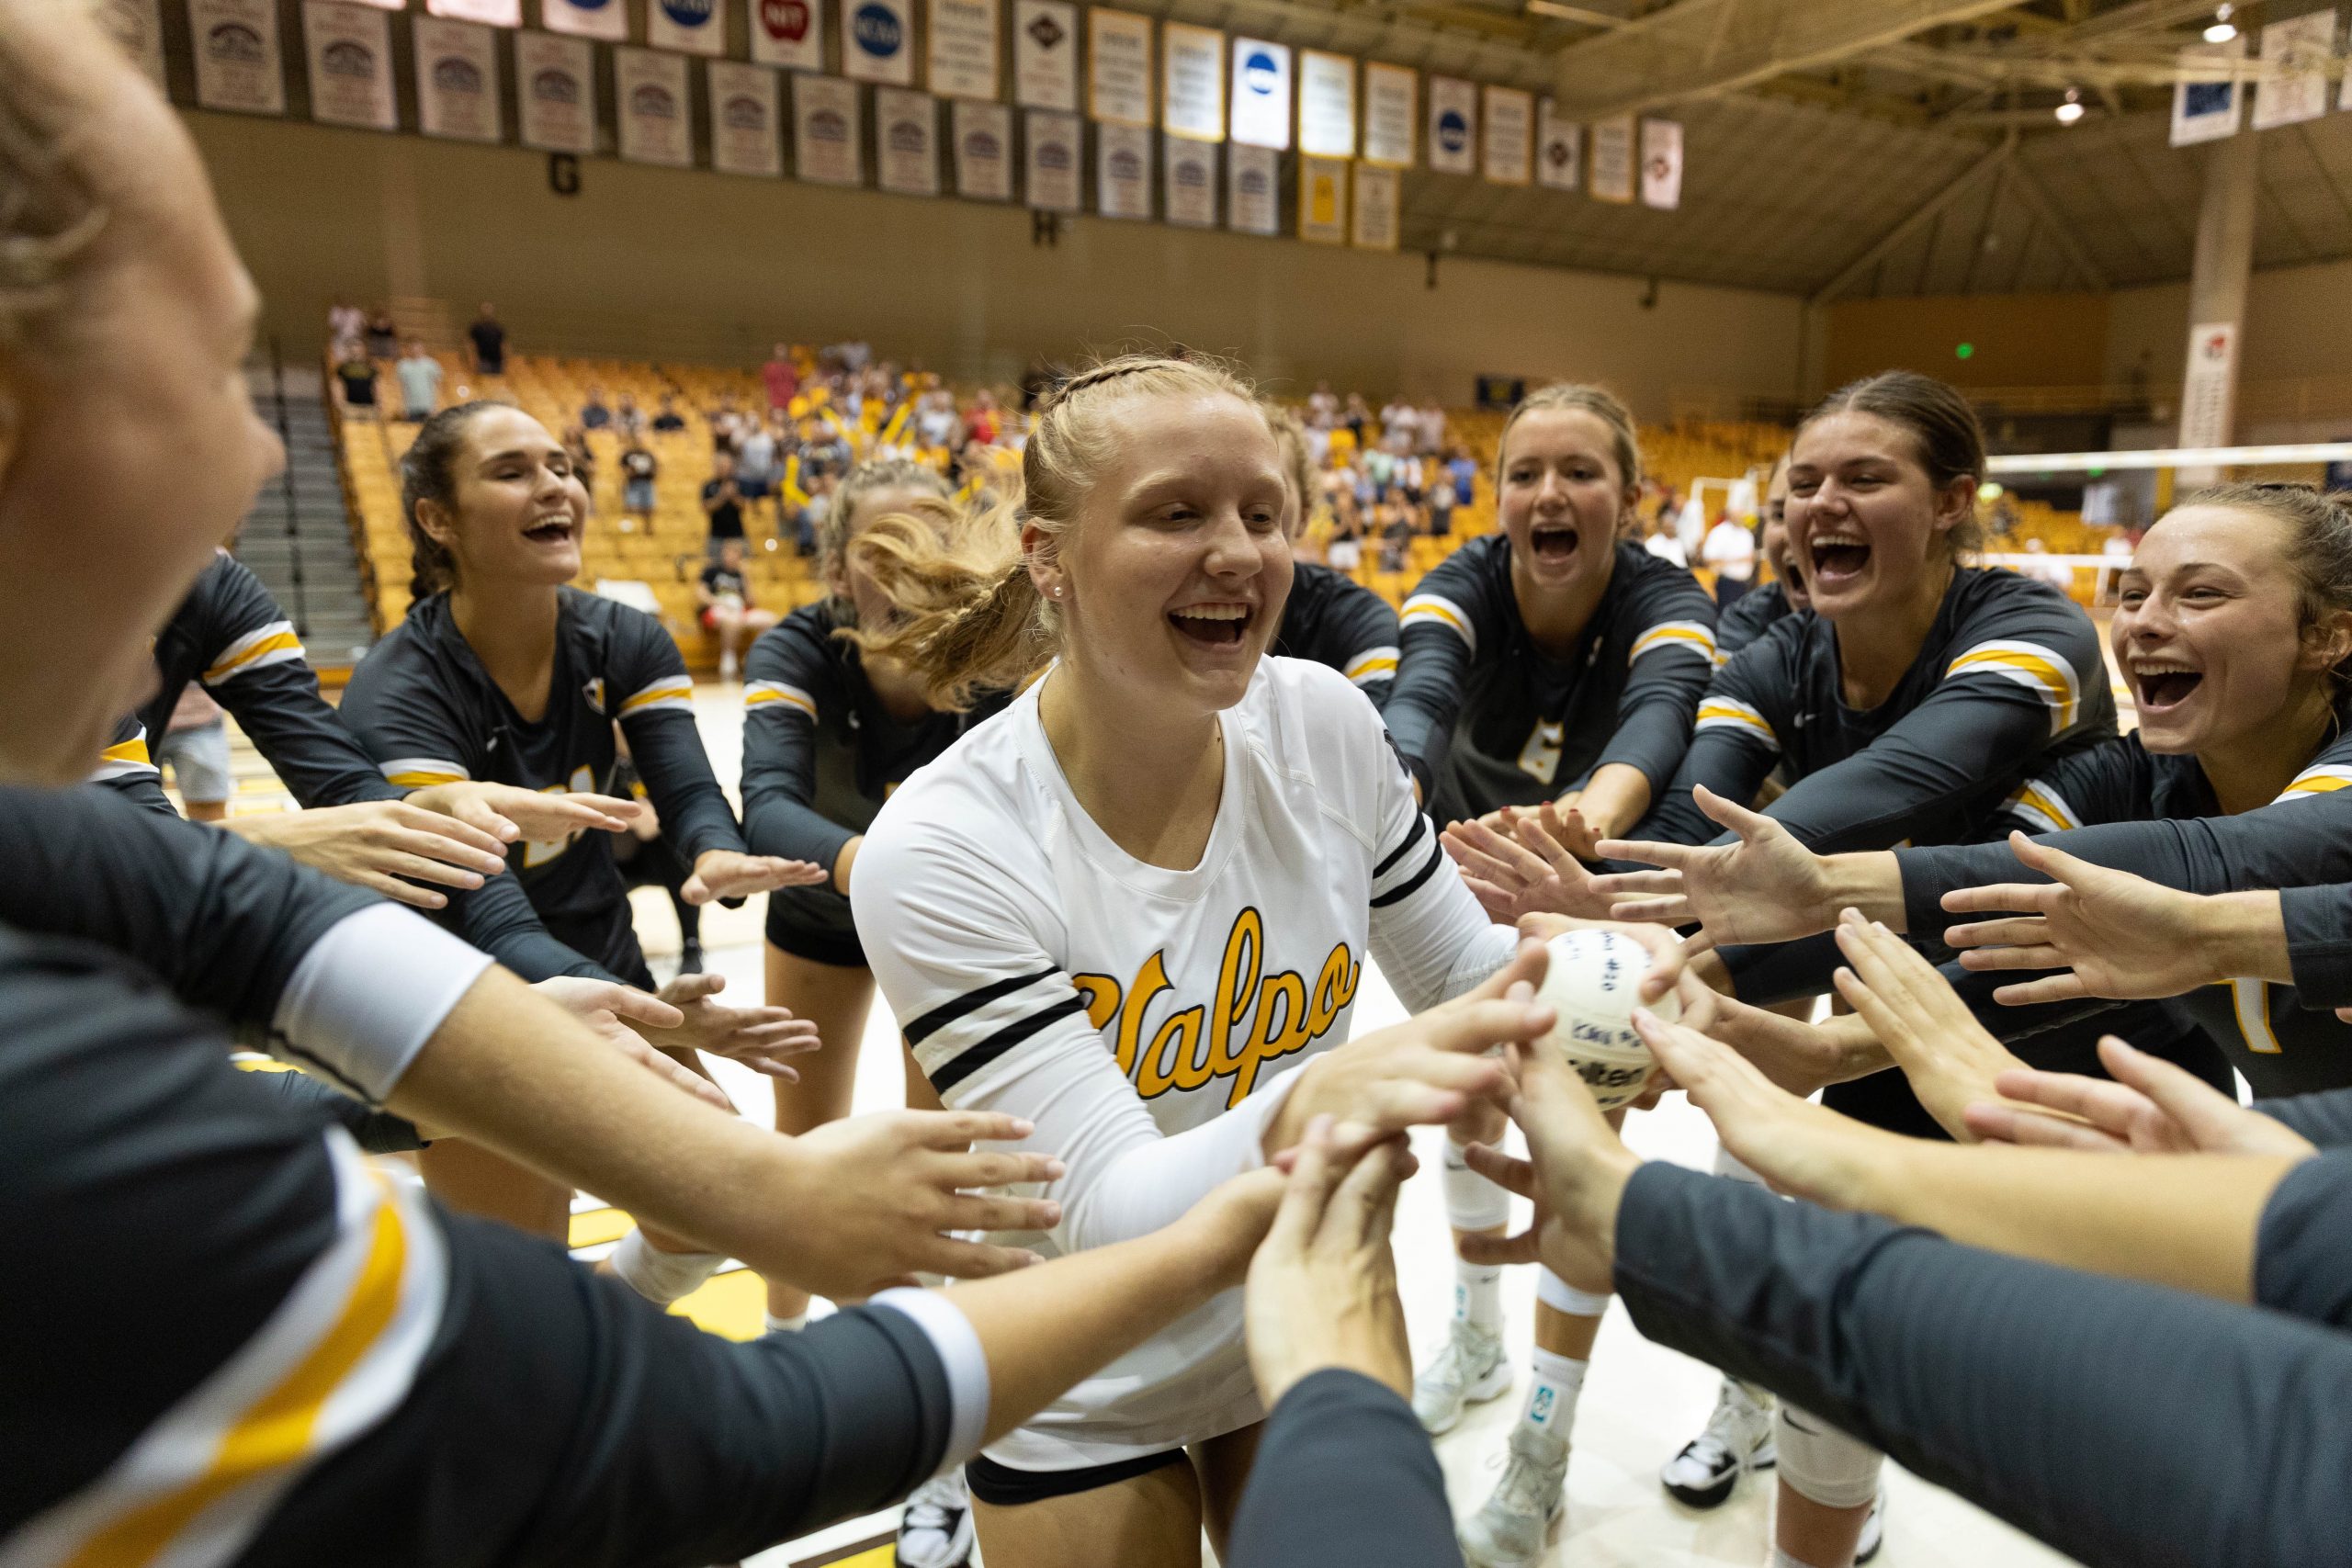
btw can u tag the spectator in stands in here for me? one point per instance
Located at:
(639, 468)
(1729, 551)
(781, 376)
(1345, 552)
(420, 377)
(627, 418)
(383, 334)
(489, 339)
(722, 502)
(1399, 426)
(347, 329)
(762, 463)
(1441, 506)
(195, 748)
(983, 424)
(1396, 537)
(822, 450)
(809, 522)
(1432, 430)
(726, 423)
(1380, 468)
(669, 420)
(593, 414)
(1660, 538)
(1464, 471)
(1322, 407)
(1355, 417)
(727, 611)
(355, 377)
(935, 420)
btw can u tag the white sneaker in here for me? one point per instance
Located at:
(1523, 1515)
(1873, 1531)
(1468, 1369)
(726, 669)
(935, 1530)
(1739, 1437)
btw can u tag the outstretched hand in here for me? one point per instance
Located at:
(2151, 1107)
(509, 812)
(609, 1010)
(724, 873)
(1763, 886)
(1576, 1174)
(1322, 1290)
(1520, 864)
(1951, 1060)
(1796, 1146)
(762, 1038)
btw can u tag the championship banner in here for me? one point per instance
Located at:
(878, 42)
(906, 140)
(2295, 58)
(1191, 81)
(1192, 181)
(1511, 131)
(983, 149)
(137, 26)
(1453, 126)
(746, 127)
(824, 131)
(690, 27)
(1662, 163)
(1123, 170)
(790, 33)
(2209, 386)
(1118, 66)
(350, 50)
(237, 61)
(457, 81)
(1323, 201)
(657, 125)
(1327, 104)
(1559, 148)
(1613, 159)
(1044, 54)
(489, 13)
(1261, 94)
(555, 88)
(964, 48)
(1372, 224)
(2211, 109)
(1251, 205)
(1391, 114)
(1049, 162)
(605, 20)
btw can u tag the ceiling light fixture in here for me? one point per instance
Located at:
(2223, 29)
(2072, 110)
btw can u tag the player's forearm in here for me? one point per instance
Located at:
(2189, 1222)
(1614, 798)
(1868, 880)
(2243, 935)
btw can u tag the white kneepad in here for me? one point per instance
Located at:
(1824, 1464)
(1472, 1202)
(1561, 1296)
(662, 1277)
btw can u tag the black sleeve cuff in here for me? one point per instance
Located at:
(2299, 1262)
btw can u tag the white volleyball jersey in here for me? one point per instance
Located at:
(1145, 1018)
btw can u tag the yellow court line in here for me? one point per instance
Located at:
(594, 1227)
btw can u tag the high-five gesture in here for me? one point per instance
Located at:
(1526, 867)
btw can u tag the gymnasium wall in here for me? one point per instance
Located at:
(2014, 340)
(2299, 323)
(658, 262)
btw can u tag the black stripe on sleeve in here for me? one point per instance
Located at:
(946, 1013)
(972, 1061)
(1406, 889)
(1420, 820)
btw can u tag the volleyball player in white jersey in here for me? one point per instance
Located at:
(1135, 906)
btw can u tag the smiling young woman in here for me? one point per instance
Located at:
(1137, 904)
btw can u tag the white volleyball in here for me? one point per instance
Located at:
(1594, 981)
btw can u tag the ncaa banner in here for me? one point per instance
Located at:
(457, 81)
(1373, 225)
(1613, 159)
(1323, 201)
(2208, 103)
(1327, 104)
(1191, 62)
(237, 61)
(2295, 59)
(983, 149)
(745, 125)
(1118, 66)
(1044, 54)
(350, 53)
(878, 41)
(964, 48)
(1123, 170)
(1049, 171)
(137, 26)
(605, 20)
(1191, 177)
(1510, 128)
(1559, 148)
(1662, 163)
(1261, 94)
(1251, 205)
(657, 126)
(489, 13)
(1391, 114)
(790, 33)
(825, 132)
(906, 140)
(690, 27)
(1453, 126)
(555, 89)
